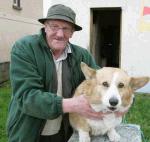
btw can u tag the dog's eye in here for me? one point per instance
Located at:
(105, 84)
(120, 85)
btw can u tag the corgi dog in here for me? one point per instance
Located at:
(107, 90)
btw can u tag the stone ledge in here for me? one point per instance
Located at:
(128, 133)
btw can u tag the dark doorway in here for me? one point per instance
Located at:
(105, 36)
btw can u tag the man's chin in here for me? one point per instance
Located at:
(58, 48)
(60, 45)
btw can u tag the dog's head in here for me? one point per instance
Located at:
(113, 88)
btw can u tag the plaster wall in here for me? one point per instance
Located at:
(11, 29)
(30, 8)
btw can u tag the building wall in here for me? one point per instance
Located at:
(13, 25)
(30, 8)
(12, 28)
(17, 23)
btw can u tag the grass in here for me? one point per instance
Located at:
(4, 101)
(138, 114)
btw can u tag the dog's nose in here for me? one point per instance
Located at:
(113, 101)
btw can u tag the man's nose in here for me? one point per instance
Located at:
(60, 32)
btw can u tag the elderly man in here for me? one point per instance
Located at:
(44, 72)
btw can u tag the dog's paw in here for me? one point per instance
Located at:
(84, 137)
(113, 136)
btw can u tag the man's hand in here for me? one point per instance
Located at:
(80, 105)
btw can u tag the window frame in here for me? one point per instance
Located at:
(17, 5)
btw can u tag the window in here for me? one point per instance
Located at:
(17, 5)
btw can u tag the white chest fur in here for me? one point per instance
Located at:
(100, 127)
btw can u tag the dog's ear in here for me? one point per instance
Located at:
(138, 82)
(88, 72)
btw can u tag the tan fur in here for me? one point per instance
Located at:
(120, 85)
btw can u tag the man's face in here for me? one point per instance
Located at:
(58, 33)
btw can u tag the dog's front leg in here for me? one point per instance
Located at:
(113, 135)
(84, 136)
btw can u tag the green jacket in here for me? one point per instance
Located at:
(32, 72)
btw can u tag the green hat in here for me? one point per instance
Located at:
(61, 12)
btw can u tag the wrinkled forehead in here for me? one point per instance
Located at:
(59, 22)
(111, 74)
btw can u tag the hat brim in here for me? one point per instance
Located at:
(77, 27)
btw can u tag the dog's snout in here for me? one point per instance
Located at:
(113, 101)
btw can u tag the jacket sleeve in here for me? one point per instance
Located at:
(28, 87)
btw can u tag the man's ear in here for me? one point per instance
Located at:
(138, 82)
(88, 72)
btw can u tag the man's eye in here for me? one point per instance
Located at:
(65, 29)
(121, 85)
(105, 84)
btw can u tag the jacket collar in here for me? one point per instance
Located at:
(42, 38)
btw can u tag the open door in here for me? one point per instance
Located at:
(105, 36)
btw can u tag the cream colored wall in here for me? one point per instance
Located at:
(15, 24)
(30, 8)
(12, 29)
